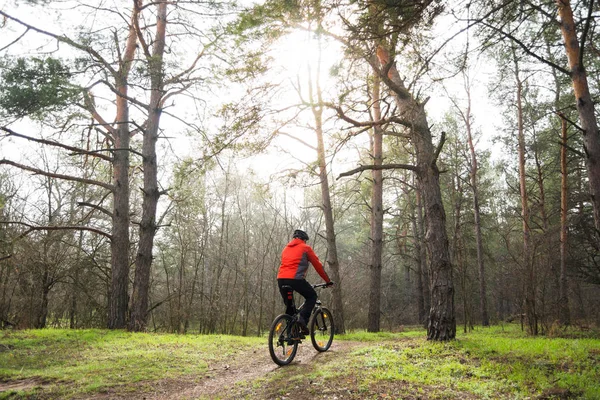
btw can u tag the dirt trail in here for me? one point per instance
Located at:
(21, 384)
(223, 381)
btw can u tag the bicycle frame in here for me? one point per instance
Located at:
(283, 343)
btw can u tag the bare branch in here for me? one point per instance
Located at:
(128, 98)
(298, 139)
(75, 150)
(383, 121)
(91, 108)
(171, 92)
(352, 121)
(526, 49)
(15, 41)
(64, 39)
(32, 228)
(575, 151)
(177, 78)
(571, 122)
(58, 176)
(439, 148)
(95, 207)
(377, 167)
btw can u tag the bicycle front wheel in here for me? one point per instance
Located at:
(282, 345)
(321, 329)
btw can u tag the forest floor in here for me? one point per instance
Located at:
(251, 375)
(492, 363)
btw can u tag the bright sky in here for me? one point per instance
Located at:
(294, 55)
(300, 49)
(297, 58)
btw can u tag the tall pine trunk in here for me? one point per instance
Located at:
(457, 246)
(485, 321)
(332, 254)
(528, 265)
(421, 254)
(373, 323)
(442, 319)
(585, 105)
(563, 298)
(143, 264)
(118, 295)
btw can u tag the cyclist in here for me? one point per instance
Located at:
(294, 266)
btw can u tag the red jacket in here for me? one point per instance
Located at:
(294, 261)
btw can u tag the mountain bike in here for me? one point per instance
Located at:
(285, 334)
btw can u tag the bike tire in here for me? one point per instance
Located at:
(321, 329)
(282, 345)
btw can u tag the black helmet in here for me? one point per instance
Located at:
(300, 235)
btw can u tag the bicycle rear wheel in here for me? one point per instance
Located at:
(282, 345)
(321, 329)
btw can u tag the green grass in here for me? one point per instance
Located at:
(364, 336)
(81, 361)
(490, 363)
(487, 363)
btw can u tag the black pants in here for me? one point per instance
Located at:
(303, 287)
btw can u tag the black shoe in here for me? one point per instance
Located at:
(303, 328)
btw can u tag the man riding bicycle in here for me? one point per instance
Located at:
(292, 271)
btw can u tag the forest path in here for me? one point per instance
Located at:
(244, 376)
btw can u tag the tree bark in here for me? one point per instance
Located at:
(457, 247)
(563, 297)
(332, 255)
(442, 320)
(485, 321)
(528, 265)
(424, 303)
(119, 132)
(373, 323)
(143, 265)
(118, 296)
(585, 106)
(75, 283)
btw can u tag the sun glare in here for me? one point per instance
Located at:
(305, 57)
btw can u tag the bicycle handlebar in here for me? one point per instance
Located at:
(322, 285)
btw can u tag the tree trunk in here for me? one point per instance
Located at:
(528, 265)
(563, 298)
(143, 265)
(332, 255)
(477, 216)
(373, 324)
(585, 106)
(43, 312)
(457, 247)
(118, 301)
(419, 271)
(118, 296)
(442, 320)
(544, 260)
(424, 303)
